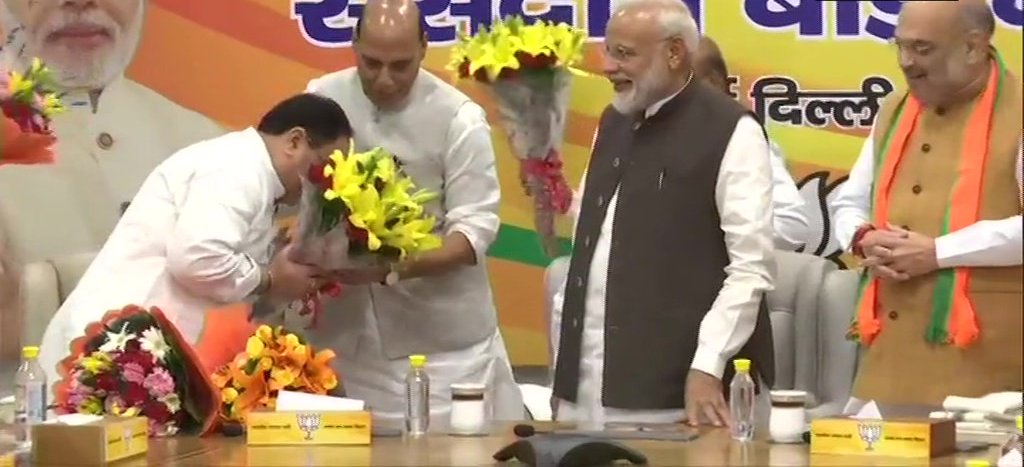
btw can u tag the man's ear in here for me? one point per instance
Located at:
(676, 52)
(297, 137)
(977, 47)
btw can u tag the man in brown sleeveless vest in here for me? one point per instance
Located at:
(933, 206)
(673, 244)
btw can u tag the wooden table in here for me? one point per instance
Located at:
(713, 448)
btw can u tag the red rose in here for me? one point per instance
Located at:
(139, 357)
(106, 382)
(535, 62)
(464, 69)
(133, 346)
(134, 394)
(157, 411)
(316, 176)
(356, 235)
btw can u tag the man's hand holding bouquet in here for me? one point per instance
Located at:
(360, 214)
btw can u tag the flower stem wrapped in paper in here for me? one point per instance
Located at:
(273, 360)
(359, 209)
(529, 69)
(135, 362)
(28, 101)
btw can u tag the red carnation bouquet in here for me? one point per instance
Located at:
(28, 101)
(135, 362)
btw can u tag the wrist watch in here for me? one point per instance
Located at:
(391, 278)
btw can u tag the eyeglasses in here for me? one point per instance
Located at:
(622, 54)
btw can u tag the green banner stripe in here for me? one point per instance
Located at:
(879, 159)
(522, 246)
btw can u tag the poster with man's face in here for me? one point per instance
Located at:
(87, 43)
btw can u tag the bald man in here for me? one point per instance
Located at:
(933, 207)
(789, 220)
(438, 304)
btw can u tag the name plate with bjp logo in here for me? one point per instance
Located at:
(922, 438)
(321, 428)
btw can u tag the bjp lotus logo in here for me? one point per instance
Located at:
(870, 433)
(308, 423)
(818, 193)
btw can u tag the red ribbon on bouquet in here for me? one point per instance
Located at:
(549, 171)
(313, 304)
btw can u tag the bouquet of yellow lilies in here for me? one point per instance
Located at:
(274, 360)
(529, 68)
(28, 101)
(360, 209)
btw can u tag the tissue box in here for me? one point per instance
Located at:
(887, 438)
(266, 428)
(108, 439)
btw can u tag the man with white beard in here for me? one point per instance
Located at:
(115, 131)
(672, 251)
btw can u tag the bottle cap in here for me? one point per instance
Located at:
(30, 352)
(417, 361)
(741, 365)
(978, 463)
(1019, 424)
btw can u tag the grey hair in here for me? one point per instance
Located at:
(675, 17)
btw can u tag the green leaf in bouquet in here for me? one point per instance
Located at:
(250, 366)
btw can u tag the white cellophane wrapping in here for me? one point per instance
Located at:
(533, 108)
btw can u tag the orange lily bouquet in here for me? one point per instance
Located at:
(274, 360)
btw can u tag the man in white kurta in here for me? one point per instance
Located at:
(789, 219)
(748, 236)
(199, 233)
(439, 304)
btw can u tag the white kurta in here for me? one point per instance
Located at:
(107, 150)
(984, 243)
(743, 197)
(455, 158)
(789, 218)
(194, 238)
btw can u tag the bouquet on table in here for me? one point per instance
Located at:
(135, 362)
(28, 101)
(529, 69)
(359, 209)
(274, 360)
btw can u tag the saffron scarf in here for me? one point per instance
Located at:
(953, 318)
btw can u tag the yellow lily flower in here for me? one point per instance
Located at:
(254, 347)
(368, 214)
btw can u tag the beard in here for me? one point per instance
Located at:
(72, 67)
(643, 92)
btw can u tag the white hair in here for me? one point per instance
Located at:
(19, 46)
(675, 17)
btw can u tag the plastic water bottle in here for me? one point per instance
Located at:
(417, 397)
(29, 396)
(1016, 442)
(741, 401)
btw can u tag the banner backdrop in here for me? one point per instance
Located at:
(816, 70)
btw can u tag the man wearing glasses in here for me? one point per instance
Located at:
(673, 242)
